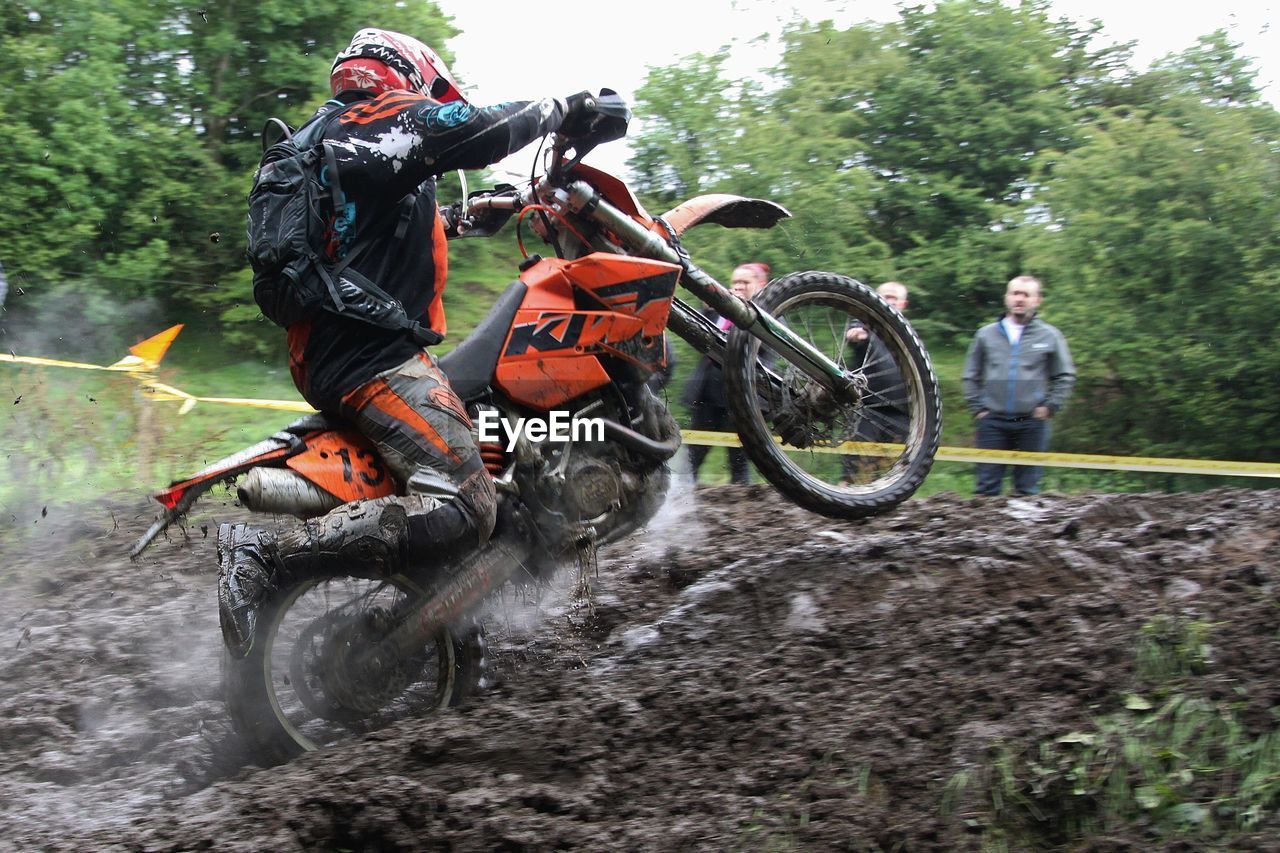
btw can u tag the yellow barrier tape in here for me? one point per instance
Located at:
(145, 357)
(1154, 464)
(128, 364)
(161, 391)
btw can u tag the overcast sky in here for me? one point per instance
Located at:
(515, 50)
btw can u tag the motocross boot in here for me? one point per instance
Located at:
(445, 517)
(364, 539)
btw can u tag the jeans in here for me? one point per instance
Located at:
(999, 433)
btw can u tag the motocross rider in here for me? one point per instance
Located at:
(404, 122)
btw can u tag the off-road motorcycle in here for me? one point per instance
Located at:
(580, 332)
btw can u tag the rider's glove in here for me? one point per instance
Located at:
(449, 217)
(580, 114)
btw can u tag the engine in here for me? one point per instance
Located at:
(595, 489)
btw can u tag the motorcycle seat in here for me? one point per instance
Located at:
(470, 364)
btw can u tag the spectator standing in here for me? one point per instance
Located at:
(886, 415)
(1018, 374)
(704, 392)
(4, 286)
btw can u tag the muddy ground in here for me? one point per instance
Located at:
(750, 677)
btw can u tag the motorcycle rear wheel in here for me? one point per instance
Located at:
(299, 688)
(896, 424)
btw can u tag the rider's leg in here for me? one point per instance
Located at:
(424, 435)
(423, 432)
(362, 538)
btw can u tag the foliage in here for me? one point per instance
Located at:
(972, 140)
(907, 149)
(1167, 759)
(1164, 250)
(131, 161)
(684, 110)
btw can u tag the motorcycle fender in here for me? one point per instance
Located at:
(271, 451)
(182, 494)
(731, 211)
(345, 464)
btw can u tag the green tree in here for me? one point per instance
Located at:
(699, 133)
(956, 111)
(130, 132)
(1212, 72)
(686, 122)
(1164, 249)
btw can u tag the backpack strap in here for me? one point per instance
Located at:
(396, 319)
(335, 184)
(331, 274)
(406, 213)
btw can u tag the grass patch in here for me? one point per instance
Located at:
(78, 436)
(1166, 763)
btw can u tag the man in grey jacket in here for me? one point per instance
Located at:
(1018, 375)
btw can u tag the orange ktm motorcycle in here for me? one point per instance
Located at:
(843, 430)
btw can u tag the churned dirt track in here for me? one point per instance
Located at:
(750, 677)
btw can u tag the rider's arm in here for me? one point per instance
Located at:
(400, 139)
(461, 136)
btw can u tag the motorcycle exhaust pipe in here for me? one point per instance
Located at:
(642, 444)
(282, 491)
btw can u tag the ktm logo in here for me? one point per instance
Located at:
(548, 333)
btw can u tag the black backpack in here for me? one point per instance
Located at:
(291, 279)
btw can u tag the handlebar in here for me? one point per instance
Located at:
(507, 201)
(596, 119)
(482, 213)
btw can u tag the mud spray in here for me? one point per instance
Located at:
(110, 704)
(519, 618)
(110, 701)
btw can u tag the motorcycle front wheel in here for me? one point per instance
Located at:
(319, 672)
(845, 455)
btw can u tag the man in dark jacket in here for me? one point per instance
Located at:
(886, 416)
(401, 122)
(704, 392)
(1018, 374)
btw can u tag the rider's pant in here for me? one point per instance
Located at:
(420, 426)
(422, 430)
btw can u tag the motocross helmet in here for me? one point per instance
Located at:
(384, 61)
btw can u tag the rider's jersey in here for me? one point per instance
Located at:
(387, 150)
